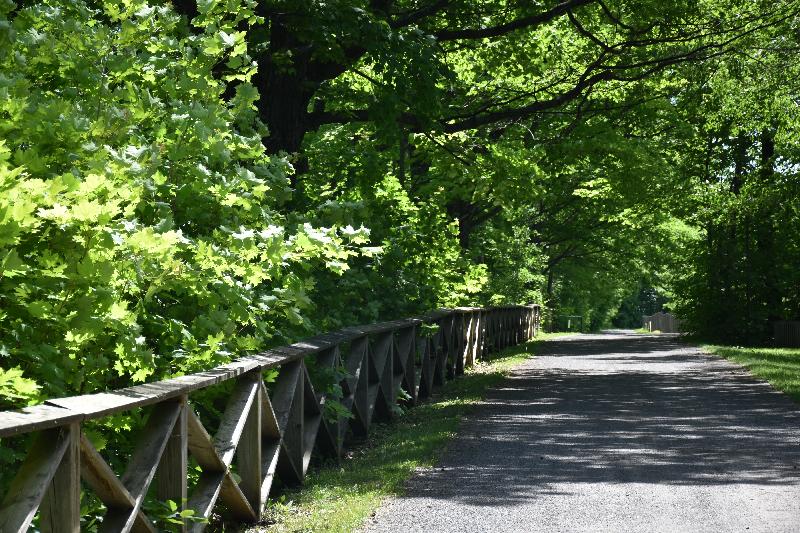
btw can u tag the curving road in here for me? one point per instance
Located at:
(615, 432)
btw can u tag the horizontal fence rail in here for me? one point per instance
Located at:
(266, 430)
(663, 322)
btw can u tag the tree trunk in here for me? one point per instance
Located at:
(765, 234)
(285, 89)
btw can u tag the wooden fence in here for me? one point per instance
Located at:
(787, 333)
(663, 322)
(264, 432)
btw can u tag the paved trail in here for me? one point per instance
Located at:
(615, 432)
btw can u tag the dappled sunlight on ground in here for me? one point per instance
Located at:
(619, 431)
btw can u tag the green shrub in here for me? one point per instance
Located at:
(140, 227)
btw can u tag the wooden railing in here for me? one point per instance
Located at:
(267, 431)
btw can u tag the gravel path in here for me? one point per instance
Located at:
(615, 432)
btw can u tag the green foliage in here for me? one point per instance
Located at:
(740, 274)
(15, 387)
(779, 366)
(328, 380)
(168, 516)
(141, 232)
(606, 161)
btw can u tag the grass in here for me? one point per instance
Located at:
(341, 497)
(779, 366)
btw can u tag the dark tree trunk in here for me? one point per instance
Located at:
(462, 211)
(765, 234)
(285, 89)
(402, 154)
(767, 168)
(739, 163)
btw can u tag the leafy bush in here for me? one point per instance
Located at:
(140, 230)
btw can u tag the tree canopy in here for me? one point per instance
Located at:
(189, 180)
(185, 182)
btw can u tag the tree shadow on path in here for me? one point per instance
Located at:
(618, 409)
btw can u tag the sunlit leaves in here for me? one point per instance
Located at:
(140, 232)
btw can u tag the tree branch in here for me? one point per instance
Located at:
(502, 29)
(421, 13)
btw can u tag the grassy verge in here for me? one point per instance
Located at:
(341, 497)
(779, 366)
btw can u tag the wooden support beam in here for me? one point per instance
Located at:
(216, 480)
(288, 403)
(142, 467)
(248, 454)
(235, 417)
(28, 487)
(358, 358)
(270, 444)
(265, 435)
(172, 469)
(427, 365)
(105, 484)
(406, 358)
(60, 510)
(312, 417)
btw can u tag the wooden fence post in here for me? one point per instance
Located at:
(61, 506)
(248, 452)
(172, 468)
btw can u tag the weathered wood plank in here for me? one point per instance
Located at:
(381, 350)
(60, 510)
(235, 417)
(252, 424)
(359, 384)
(269, 423)
(62, 411)
(283, 394)
(406, 349)
(145, 459)
(328, 442)
(426, 367)
(248, 454)
(354, 362)
(143, 464)
(290, 461)
(101, 479)
(312, 416)
(171, 483)
(218, 485)
(201, 445)
(28, 487)
(216, 480)
(236, 501)
(105, 484)
(204, 497)
(35, 418)
(269, 457)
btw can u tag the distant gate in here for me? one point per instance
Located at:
(787, 333)
(663, 322)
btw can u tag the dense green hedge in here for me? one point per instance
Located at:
(141, 234)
